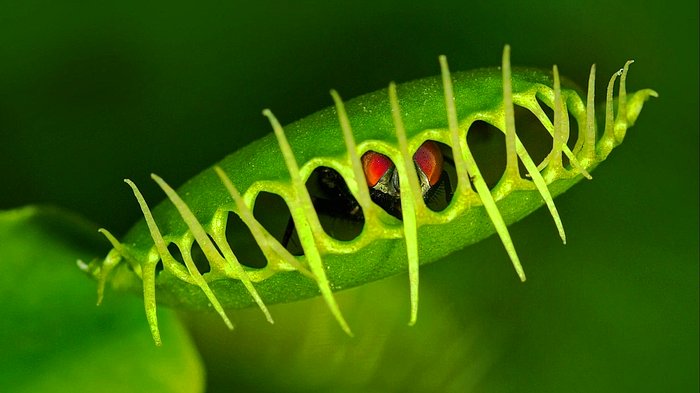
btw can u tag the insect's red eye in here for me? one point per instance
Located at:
(429, 159)
(375, 166)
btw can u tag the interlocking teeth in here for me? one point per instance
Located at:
(471, 190)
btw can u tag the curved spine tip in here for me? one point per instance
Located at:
(270, 247)
(467, 168)
(541, 186)
(494, 214)
(198, 232)
(110, 262)
(590, 136)
(226, 263)
(84, 267)
(303, 213)
(607, 141)
(149, 300)
(621, 124)
(559, 139)
(230, 257)
(511, 173)
(148, 275)
(408, 179)
(463, 187)
(202, 284)
(560, 135)
(148, 271)
(363, 197)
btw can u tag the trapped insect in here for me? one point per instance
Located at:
(395, 166)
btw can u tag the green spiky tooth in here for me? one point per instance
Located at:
(410, 201)
(306, 221)
(271, 248)
(589, 143)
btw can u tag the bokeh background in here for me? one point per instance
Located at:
(91, 93)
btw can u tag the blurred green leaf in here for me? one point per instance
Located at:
(54, 338)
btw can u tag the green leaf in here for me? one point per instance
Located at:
(54, 338)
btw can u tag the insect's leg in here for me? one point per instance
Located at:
(449, 192)
(288, 233)
(389, 203)
(442, 189)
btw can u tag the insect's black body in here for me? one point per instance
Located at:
(391, 202)
(341, 215)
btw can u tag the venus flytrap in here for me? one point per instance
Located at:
(395, 123)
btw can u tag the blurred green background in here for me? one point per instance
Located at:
(91, 93)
